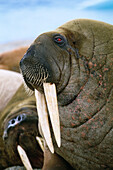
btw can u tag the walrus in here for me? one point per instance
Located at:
(9, 83)
(19, 126)
(76, 62)
(10, 60)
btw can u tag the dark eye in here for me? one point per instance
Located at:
(59, 40)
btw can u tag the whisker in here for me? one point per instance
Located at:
(35, 76)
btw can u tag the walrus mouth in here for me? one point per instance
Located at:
(44, 102)
(47, 102)
(34, 77)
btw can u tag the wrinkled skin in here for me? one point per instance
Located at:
(19, 126)
(81, 66)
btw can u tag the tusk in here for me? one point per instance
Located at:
(51, 98)
(24, 158)
(41, 142)
(43, 118)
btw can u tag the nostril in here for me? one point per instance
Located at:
(12, 121)
(19, 118)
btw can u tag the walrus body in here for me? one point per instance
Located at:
(78, 58)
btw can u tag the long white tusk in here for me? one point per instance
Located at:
(41, 142)
(24, 158)
(51, 98)
(43, 119)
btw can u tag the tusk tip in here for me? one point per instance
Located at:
(24, 158)
(59, 143)
(41, 143)
(52, 151)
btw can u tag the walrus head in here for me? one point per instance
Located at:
(43, 61)
(49, 60)
(20, 128)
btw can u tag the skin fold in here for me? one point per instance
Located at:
(78, 58)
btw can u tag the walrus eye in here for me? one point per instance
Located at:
(59, 40)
